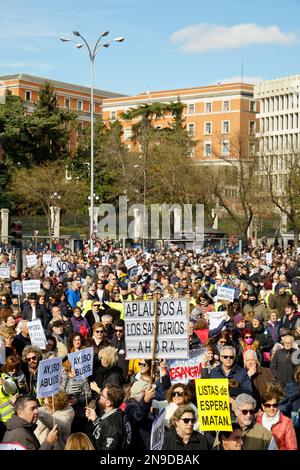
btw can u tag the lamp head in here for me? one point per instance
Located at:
(106, 44)
(105, 33)
(76, 33)
(119, 39)
(79, 46)
(64, 39)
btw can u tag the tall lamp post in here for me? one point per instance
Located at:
(92, 53)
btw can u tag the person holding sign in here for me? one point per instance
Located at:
(32, 311)
(32, 356)
(181, 435)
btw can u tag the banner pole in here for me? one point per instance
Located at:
(154, 338)
(53, 410)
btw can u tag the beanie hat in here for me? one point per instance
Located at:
(237, 318)
(138, 387)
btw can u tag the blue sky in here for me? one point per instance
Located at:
(169, 43)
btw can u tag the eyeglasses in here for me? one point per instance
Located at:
(98, 331)
(228, 357)
(245, 412)
(248, 337)
(188, 420)
(177, 394)
(271, 405)
(119, 331)
(222, 342)
(32, 358)
(142, 364)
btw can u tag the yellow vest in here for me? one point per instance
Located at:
(6, 408)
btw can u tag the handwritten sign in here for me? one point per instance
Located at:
(225, 293)
(4, 272)
(48, 379)
(33, 285)
(82, 363)
(37, 334)
(31, 260)
(16, 288)
(130, 263)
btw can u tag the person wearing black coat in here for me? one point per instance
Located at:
(282, 366)
(262, 335)
(32, 310)
(118, 342)
(108, 371)
(181, 435)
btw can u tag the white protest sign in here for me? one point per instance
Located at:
(266, 268)
(298, 251)
(82, 363)
(47, 259)
(11, 446)
(37, 334)
(48, 379)
(4, 271)
(147, 255)
(130, 263)
(158, 431)
(33, 285)
(2, 350)
(16, 288)
(59, 266)
(215, 318)
(269, 258)
(172, 329)
(225, 293)
(31, 260)
(184, 370)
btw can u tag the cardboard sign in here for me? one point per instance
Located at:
(184, 370)
(225, 293)
(213, 404)
(158, 432)
(4, 272)
(130, 263)
(269, 258)
(82, 363)
(47, 259)
(31, 260)
(37, 334)
(215, 318)
(172, 329)
(11, 446)
(33, 285)
(48, 379)
(16, 288)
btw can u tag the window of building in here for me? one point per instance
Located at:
(252, 106)
(207, 128)
(191, 128)
(27, 95)
(252, 127)
(225, 148)
(80, 125)
(191, 108)
(225, 127)
(127, 133)
(207, 149)
(208, 107)
(226, 105)
(79, 105)
(67, 103)
(113, 115)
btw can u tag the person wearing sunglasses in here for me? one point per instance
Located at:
(276, 422)
(31, 357)
(181, 435)
(255, 436)
(118, 342)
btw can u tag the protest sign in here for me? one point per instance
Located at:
(37, 334)
(4, 271)
(2, 350)
(215, 318)
(59, 266)
(130, 263)
(265, 268)
(82, 363)
(213, 404)
(33, 285)
(184, 370)
(48, 379)
(47, 259)
(225, 293)
(269, 258)
(31, 260)
(11, 446)
(172, 329)
(16, 288)
(158, 431)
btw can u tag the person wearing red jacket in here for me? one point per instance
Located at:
(275, 421)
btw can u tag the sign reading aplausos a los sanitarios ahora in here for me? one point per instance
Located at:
(172, 329)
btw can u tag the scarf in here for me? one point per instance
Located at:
(269, 422)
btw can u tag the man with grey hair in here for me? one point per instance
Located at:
(282, 366)
(255, 436)
(258, 375)
(229, 370)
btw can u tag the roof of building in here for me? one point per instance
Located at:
(69, 86)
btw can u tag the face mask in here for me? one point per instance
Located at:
(249, 340)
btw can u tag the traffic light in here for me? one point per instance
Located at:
(16, 234)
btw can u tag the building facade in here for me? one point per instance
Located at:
(215, 116)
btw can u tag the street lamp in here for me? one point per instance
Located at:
(54, 213)
(92, 53)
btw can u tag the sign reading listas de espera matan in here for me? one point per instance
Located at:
(172, 329)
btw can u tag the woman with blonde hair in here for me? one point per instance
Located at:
(79, 441)
(108, 371)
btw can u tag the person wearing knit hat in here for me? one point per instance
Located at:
(138, 387)
(238, 320)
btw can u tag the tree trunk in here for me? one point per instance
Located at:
(296, 238)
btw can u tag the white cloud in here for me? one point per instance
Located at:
(205, 37)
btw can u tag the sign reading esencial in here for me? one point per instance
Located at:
(48, 379)
(82, 363)
(37, 334)
(213, 404)
(172, 329)
(225, 293)
(184, 370)
(33, 285)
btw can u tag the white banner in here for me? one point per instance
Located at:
(158, 431)
(48, 379)
(47, 259)
(31, 260)
(225, 293)
(82, 363)
(184, 370)
(37, 334)
(130, 263)
(16, 288)
(11, 446)
(4, 272)
(33, 285)
(172, 329)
